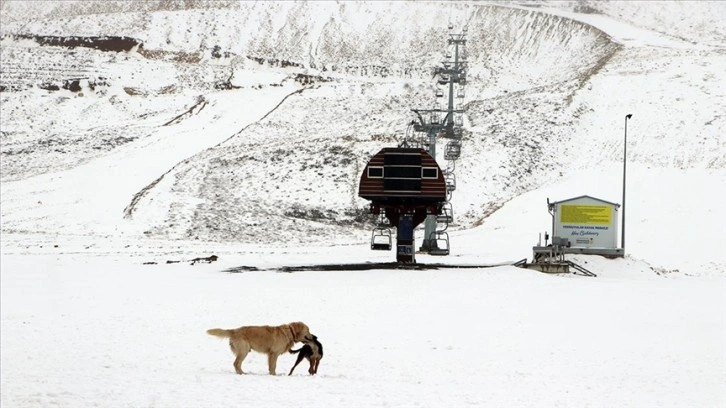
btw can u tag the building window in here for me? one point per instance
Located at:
(375, 172)
(429, 172)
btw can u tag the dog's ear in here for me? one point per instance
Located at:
(299, 330)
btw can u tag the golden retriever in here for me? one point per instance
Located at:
(271, 340)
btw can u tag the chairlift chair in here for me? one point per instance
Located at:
(441, 243)
(450, 166)
(381, 238)
(450, 180)
(447, 214)
(458, 132)
(452, 150)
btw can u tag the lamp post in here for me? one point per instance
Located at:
(625, 157)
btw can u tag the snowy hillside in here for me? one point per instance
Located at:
(135, 136)
(545, 97)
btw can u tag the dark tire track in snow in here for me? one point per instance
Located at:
(131, 207)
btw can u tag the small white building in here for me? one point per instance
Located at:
(587, 222)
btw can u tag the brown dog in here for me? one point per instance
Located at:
(271, 340)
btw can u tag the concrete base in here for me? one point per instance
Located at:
(427, 245)
(548, 267)
(606, 252)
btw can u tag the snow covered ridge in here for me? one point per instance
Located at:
(396, 35)
(327, 34)
(699, 22)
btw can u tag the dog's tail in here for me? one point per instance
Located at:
(295, 351)
(220, 332)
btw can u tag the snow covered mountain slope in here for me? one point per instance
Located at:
(277, 157)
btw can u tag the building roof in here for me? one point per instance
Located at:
(585, 196)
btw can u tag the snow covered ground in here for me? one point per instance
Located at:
(99, 191)
(105, 330)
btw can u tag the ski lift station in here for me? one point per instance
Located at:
(585, 225)
(404, 185)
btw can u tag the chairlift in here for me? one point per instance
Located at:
(439, 93)
(452, 150)
(450, 180)
(460, 92)
(447, 214)
(450, 166)
(381, 238)
(452, 131)
(440, 240)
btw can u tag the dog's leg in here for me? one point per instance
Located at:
(241, 354)
(313, 365)
(272, 362)
(317, 363)
(300, 358)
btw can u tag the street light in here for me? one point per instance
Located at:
(625, 157)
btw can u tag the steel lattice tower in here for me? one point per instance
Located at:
(445, 123)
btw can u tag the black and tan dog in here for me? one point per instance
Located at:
(312, 351)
